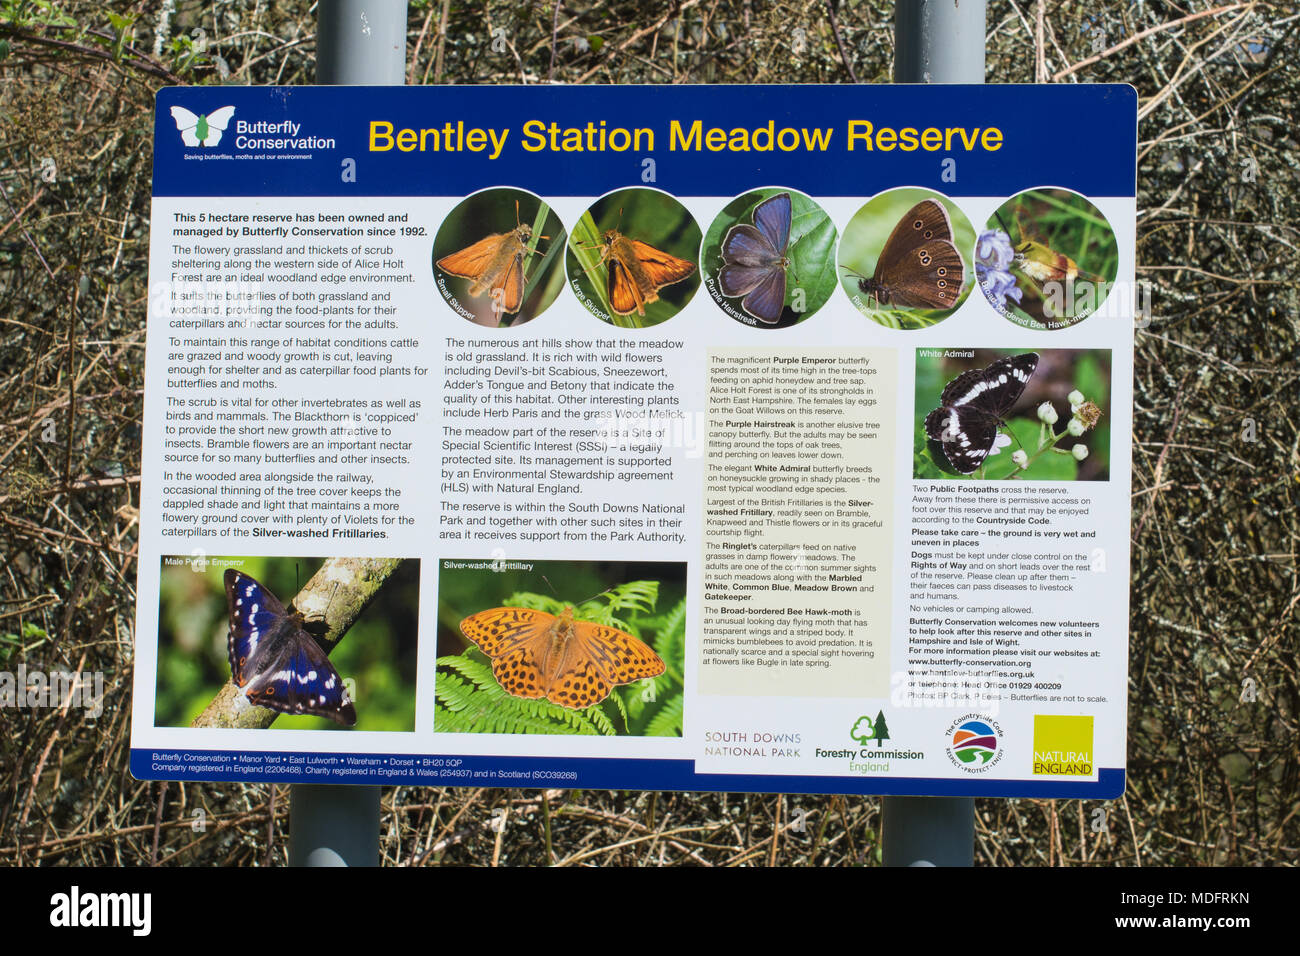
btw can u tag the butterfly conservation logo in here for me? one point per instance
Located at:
(202, 129)
(283, 139)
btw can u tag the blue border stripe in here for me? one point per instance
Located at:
(593, 773)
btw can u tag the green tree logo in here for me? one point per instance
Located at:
(882, 730)
(865, 730)
(862, 730)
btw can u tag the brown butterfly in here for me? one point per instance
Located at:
(571, 663)
(919, 268)
(638, 271)
(495, 263)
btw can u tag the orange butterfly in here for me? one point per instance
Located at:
(638, 271)
(571, 663)
(495, 262)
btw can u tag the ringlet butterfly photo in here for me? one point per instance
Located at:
(496, 257)
(905, 258)
(769, 258)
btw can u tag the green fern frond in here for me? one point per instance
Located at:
(576, 721)
(477, 671)
(632, 596)
(670, 641)
(638, 701)
(530, 599)
(668, 721)
(620, 704)
(485, 707)
(601, 721)
(452, 692)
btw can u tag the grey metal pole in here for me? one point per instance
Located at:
(358, 43)
(929, 831)
(333, 825)
(935, 41)
(939, 41)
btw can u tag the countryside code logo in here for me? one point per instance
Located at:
(974, 743)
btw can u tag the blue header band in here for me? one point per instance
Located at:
(586, 141)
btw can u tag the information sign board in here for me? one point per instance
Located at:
(707, 438)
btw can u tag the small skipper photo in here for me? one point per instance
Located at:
(495, 257)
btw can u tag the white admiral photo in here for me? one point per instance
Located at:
(991, 413)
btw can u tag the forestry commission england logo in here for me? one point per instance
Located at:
(200, 129)
(974, 743)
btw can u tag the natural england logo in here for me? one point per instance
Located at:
(1063, 745)
(200, 129)
(974, 743)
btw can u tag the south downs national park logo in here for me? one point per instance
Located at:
(974, 743)
(199, 129)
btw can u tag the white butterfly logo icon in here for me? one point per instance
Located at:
(202, 130)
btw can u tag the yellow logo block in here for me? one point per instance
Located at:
(1062, 746)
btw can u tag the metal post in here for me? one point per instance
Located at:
(333, 825)
(939, 41)
(935, 41)
(358, 43)
(929, 831)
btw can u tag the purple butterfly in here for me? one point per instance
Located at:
(274, 662)
(754, 260)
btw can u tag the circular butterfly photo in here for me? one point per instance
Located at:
(563, 647)
(632, 258)
(496, 257)
(257, 642)
(1047, 259)
(996, 414)
(769, 258)
(905, 258)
